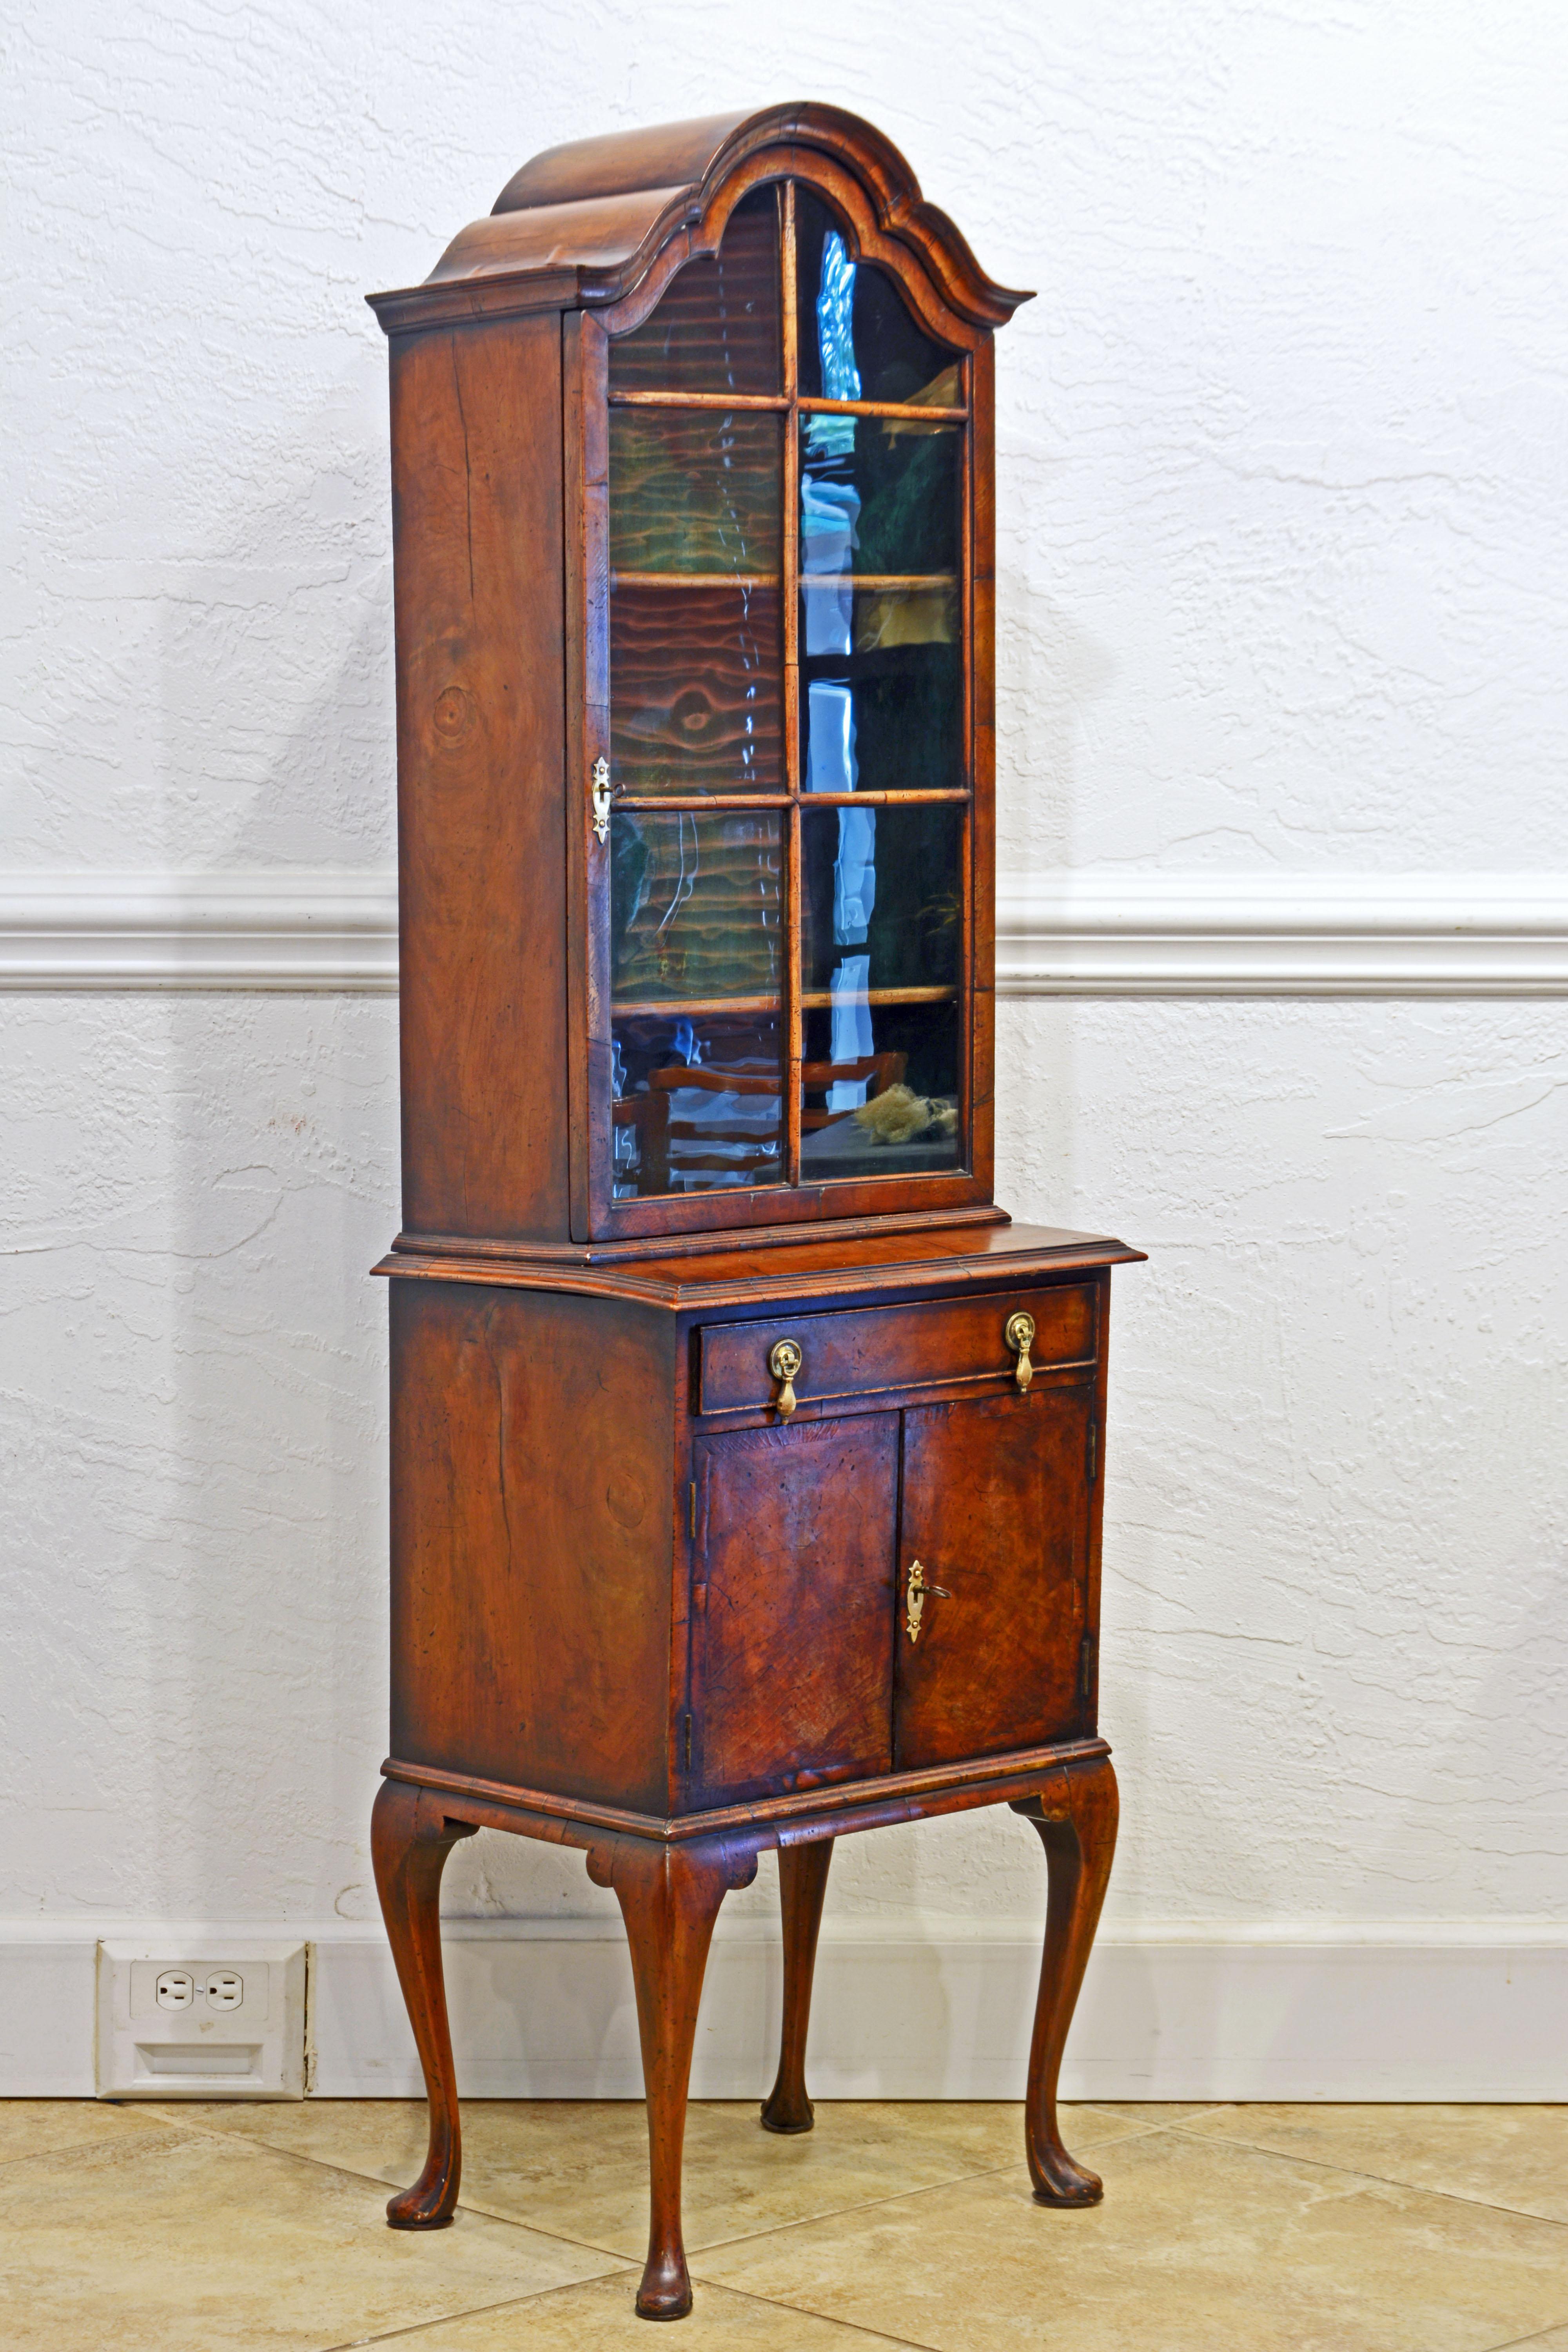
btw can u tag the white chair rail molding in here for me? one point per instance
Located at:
(1097, 932)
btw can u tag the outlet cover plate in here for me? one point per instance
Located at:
(254, 2048)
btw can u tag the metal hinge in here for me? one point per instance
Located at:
(1093, 1451)
(691, 1499)
(1086, 1649)
(688, 1743)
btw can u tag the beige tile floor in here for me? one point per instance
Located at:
(1224, 2229)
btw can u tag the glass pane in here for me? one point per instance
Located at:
(716, 326)
(695, 490)
(881, 690)
(695, 905)
(879, 914)
(698, 1104)
(879, 494)
(879, 1090)
(695, 693)
(859, 340)
(880, 898)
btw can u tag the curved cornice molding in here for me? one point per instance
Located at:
(587, 223)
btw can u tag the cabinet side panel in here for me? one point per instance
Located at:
(476, 462)
(532, 1538)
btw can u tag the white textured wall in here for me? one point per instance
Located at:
(1282, 567)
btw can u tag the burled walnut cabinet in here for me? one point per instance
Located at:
(746, 1460)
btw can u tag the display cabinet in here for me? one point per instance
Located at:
(746, 1459)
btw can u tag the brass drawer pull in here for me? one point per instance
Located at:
(785, 1364)
(915, 1592)
(1019, 1334)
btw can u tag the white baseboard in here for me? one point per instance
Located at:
(919, 2009)
(1097, 932)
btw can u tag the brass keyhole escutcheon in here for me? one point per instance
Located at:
(600, 792)
(785, 1364)
(916, 1593)
(1019, 1334)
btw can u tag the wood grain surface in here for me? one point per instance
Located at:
(792, 1603)
(696, 690)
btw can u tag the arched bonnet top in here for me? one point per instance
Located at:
(587, 224)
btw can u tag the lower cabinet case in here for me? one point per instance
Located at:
(681, 1572)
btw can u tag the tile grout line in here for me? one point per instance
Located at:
(803, 2310)
(573, 2286)
(74, 2147)
(374, 2181)
(1383, 2179)
(469, 2310)
(616, 2253)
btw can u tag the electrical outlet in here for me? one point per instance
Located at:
(204, 2027)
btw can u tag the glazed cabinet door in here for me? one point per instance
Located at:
(792, 1603)
(996, 1518)
(775, 616)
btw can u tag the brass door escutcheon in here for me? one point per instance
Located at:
(601, 797)
(1019, 1334)
(915, 1591)
(784, 1363)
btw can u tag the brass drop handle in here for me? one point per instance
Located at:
(1019, 1334)
(600, 790)
(785, 1364)
(915, 1591)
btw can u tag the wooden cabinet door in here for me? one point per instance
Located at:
(995, 1509)
(792, 1614)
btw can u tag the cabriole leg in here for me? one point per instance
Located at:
(802, 1883)
(409, 1843)
(669, 1898)
(1076, 1818)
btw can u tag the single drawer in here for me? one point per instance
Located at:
(858, 1351)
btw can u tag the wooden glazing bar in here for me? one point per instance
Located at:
(819, 1000)
(694, 580)
(891, 408)
(881, 800)
(876, 581)
(671, 803)
(795, 1000)
(790, 548)
(722, 400)
(966, 858)
(674, 1008)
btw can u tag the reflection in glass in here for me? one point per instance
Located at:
(879, 890)
(695, 695)
(697, 1103)
(695, 905)
(879, 494)
(694, 490)
(864, 330)
(890, 1108)
(716, 326)
(881, 690)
